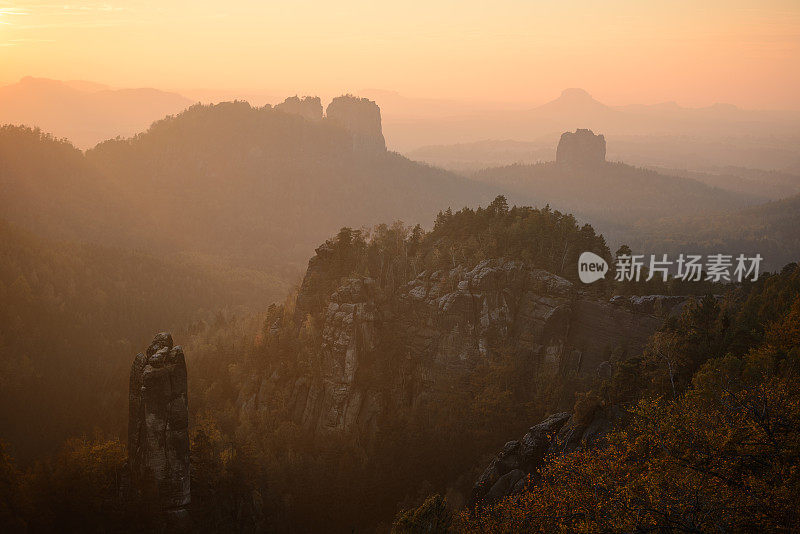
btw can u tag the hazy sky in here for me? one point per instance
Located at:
(638, 51)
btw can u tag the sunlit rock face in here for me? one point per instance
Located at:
(158, 435)
(377, 350)
(581, 147)
(309, 107)
(362, 118)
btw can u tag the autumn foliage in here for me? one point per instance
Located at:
(722, 455)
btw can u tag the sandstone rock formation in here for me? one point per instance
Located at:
(518, 463)
(362, 118)
(310, 107)
(581, 147)
(507, 472)
(438, 324)
(158, 435)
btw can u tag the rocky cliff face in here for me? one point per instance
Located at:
(158, 436)
(310, 107)
(438, 324)
(362, 118)
(518, 463)
(581, 147)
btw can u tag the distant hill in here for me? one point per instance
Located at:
(467, 158)
(256, 186)
(85, 112)
(772, 185)
(771, 229)
(663, 134)
(612, 194)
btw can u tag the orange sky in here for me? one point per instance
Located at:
(694, 52)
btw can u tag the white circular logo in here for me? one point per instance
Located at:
(591, 267)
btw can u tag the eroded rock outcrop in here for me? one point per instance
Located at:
(309, 107)
(507, 472)
(362, 118)
(581, 147)
(158, 434)
(379, 349)
(519, 462)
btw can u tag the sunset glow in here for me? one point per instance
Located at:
(745, 53)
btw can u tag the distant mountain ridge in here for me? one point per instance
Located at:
(576, 108)
(85, 112)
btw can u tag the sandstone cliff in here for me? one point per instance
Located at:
(362, 118)
(375, 348)
(581, 147)
(158, 436)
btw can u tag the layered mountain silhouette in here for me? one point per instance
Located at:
(85, 112)
(259, 187)
(664, 134)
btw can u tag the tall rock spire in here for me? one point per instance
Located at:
(158, 433)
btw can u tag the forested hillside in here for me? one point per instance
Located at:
(216, 208)
(259, 462)
(256, 185)
(48, 187)
(613, 194)
(771, 229)
(308, 481)
(709, 440)
(72, 315)
(276, 182)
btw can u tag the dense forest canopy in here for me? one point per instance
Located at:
(542, 238)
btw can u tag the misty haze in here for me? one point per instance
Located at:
(421, 268)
